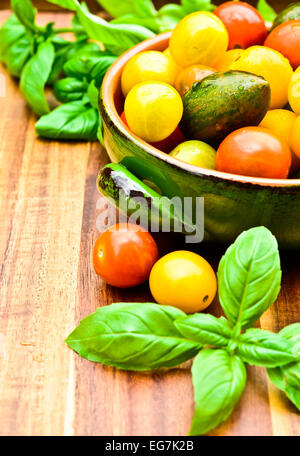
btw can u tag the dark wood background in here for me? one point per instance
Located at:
(94, 6)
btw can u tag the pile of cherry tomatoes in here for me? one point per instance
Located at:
(233, 37)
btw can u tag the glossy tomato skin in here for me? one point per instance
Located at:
(166, 145)
(244, 24)
(286, 39)
(124, 255)
(255, 152)
(183, 279)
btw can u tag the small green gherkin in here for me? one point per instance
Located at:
(222, 103)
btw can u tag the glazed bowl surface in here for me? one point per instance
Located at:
(232, 203)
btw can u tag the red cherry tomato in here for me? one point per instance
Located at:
(166, 145)
(256, 152)
(124, 254)
(286, 39)
(244, 24)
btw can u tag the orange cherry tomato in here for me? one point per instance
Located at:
(124, 254)
(166, 145)
(286, 39)
(244, 24)
(256, 152)
(188, 76)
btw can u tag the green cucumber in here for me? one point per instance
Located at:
(291, 13)
(222, 103)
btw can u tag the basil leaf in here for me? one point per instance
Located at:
(116, 38)
(249, 276)
(70, 89)
(68, 4)
(205, 329)
(287, 378)
(219, 380)
(150, 23)
(116, 8)
(10, 32)
(169, 16)
(133, 337)
(76, 120)
(35, 75)
(17, 55)
(93, 94)
(89, 67)
(263, 348)
(191, 6)
(25, 12)
(266, 10)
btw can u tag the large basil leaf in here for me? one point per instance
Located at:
(263, 348)
(116, 38)
(18, 54)
(76, 120)
(10, 32)
(70, 89)
(35, 75)
(25, 12)
(205, 329)
(249, 276)
(133, 337)
(287, 378)
(219, 380)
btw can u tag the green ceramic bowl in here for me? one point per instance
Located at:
(232, 203)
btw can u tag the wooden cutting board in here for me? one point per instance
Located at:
(49, 213)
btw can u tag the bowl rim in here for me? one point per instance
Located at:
(110, 84)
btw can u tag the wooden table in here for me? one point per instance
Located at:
(49, 208)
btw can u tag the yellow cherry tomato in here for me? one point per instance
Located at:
(280, 122)
(168, 54)
(271, 65)
(196, 153)
(153, 110)
(183, 279)
(294, 92)
(295, 137)
(199, 37)
(228, 58)
(148, 66)
(188, 76)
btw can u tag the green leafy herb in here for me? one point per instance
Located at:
(116, 38)
(249, 276)
(35, 75)
(133, 336)
(205, 329)
(89, 67)
(70, 89)
(93, 94)
(219, 379)
(287, 378)
(76, 120)
(18, 54)
(263, 348)
(266, 10)
(10, 32)
(68, 4)
(25, 12)
(191, 6)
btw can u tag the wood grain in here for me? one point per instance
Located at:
(49, 214)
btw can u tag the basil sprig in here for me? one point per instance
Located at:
(149, 336)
